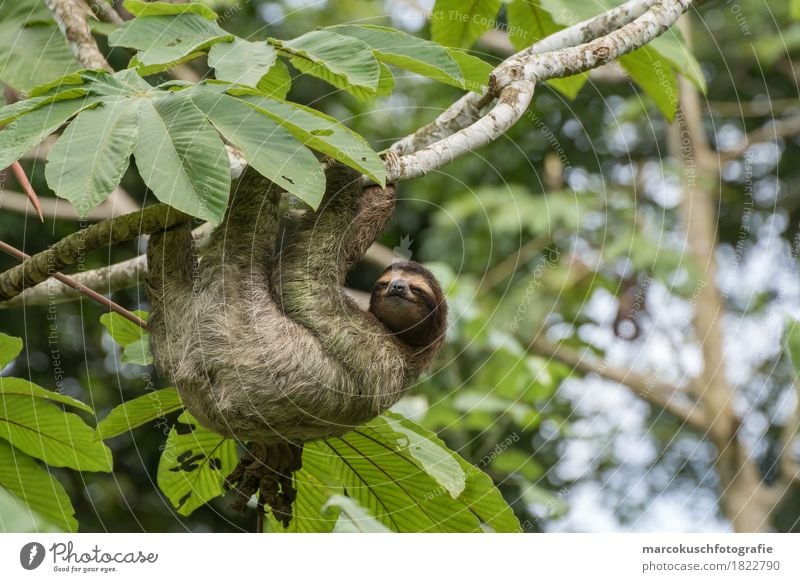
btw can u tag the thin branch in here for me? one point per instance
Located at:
(656, 392)
(104, 11)
(70, 282)
(513, 83)
(30, 193)
(70, 16)
(68, 250)
(118, 203)
(105, 279)
(464, 111)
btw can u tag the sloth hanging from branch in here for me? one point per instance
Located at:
(265, 347)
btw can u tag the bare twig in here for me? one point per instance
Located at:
(30, 193)
(70, 282)
(118, 203)
(656, 392)
(68, 250)
(71, 19)
(104, 11)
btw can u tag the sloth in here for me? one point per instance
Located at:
(264, 345)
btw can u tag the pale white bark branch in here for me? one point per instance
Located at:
(464, 111)
(513, 83)
(118, 203)
(70, 16)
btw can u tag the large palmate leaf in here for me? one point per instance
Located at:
(36, 487)
(407, 52)
(268, 147)
(139, 411)
(528, 23)
(30, 129)
(166, 40)
(194, 464)
(32, 50)
(322, 133)
(459, 23)
(46, 432)
(181, 158)
(91, 156)
(342, 61)
(241, 61)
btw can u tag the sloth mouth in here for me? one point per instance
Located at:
(397, 294)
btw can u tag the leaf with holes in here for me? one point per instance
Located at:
(194, 464)
(241, 61)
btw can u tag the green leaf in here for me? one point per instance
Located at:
(163, 41)
(30, 129)
(32, 50)
(15, 110)
(528, 23)
(655, 76)
(20, 387)
(475, 71)
(36, 487)
(353, 518)
(322, 133)
(793, 344)
(90, 158)
(46, 432)
(277, 82)
(139, 411)
(194, 464)
(181, 157)
(241, 61)
(408, 52)
(316, 483)
(430, 452)
(142, 8)
(672, 47)
(485, 500)
(10, 348)
(133, 339)
(460, 23)
(393, 488)
(267, 146)
(342, 61)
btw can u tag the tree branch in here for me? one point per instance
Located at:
(71, 19)
(118, 203)
(656, 392)
(513, 82)
(464, 111)
(68, 250)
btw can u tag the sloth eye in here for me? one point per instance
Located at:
(415, 289)
(381, 284)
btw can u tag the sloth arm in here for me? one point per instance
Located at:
(311, 271)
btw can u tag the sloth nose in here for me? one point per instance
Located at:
(398, 287)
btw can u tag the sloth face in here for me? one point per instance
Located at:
(406, 299)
